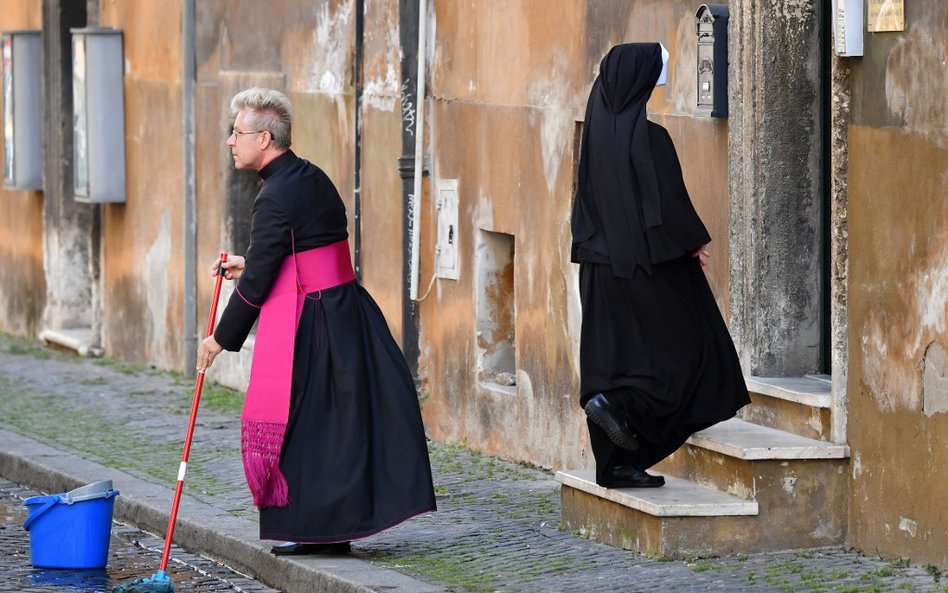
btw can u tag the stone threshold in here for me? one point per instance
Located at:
(748, 441)
(78, 339)
(677, 498)
(811, 390)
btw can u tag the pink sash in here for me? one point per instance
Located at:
(267, 406)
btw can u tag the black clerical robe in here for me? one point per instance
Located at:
(354, 456)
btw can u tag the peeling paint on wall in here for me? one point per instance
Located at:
(919, 99)
(796, 9)
(908, 525)
(552, 94)
(330, 34)
(931, 294)
(795, 20)
(321, 61)
(156, 291)
(381, 85)
(935, 381)
(69, 289)
(789, 484)
(381, 92)
(896, 379)
(741, 490)
(825, 530)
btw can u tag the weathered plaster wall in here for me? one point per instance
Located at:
(381, 147)
(839, 243)
(142, 240)
(776, 146)
(898, 290)
(22, 281)
(306, 50)
(508, 86)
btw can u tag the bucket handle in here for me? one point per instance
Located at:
(33, 516)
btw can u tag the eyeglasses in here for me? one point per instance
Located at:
(237, 134)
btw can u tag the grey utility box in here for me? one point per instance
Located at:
(98, 96)
(22, 133)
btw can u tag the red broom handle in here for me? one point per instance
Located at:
(212, 316)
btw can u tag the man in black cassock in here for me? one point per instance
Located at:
(657, 363)
(347, 457)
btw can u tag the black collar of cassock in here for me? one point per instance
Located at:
(277, 164)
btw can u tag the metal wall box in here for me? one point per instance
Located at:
(98, 96)
(711, 27)
(447, 246)
(848, 17)
(22, 138)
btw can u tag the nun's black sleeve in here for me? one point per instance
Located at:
(682, 230)
(269, 245)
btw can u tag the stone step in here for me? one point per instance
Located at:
(798, 485)
(749, 441)
(677, 498)
(800, 405)
(679, 519)
(731, 455)
(78, 340)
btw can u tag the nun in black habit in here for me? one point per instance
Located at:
(657, 363)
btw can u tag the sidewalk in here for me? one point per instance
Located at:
(66, 421)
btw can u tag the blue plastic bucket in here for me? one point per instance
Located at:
(71, 530)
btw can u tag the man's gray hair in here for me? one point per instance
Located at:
(269, 110)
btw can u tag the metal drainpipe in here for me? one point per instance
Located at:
(408, 11)
(190, 232)
(357, 182)
(419, 149)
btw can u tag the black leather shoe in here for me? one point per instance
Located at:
(605, 416)
(627, 476)
(294, 549)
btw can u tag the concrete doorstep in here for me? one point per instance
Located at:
(200, 528)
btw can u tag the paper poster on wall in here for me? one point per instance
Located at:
(885, 15)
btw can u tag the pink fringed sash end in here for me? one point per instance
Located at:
(267, 406)
(260, 444)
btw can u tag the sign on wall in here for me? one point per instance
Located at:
(885, 15)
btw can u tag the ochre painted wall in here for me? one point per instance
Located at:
(508, 86)
(303, 49)
(898, 291)
(142, 243)
(22, 283)
(381, 146)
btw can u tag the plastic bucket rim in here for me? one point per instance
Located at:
(90, 488)
(51, 500)
(66, 499)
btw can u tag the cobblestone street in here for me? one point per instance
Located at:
(496, 528)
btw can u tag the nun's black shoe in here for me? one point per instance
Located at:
(607, 417)
(294, 549)
(627, 476)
